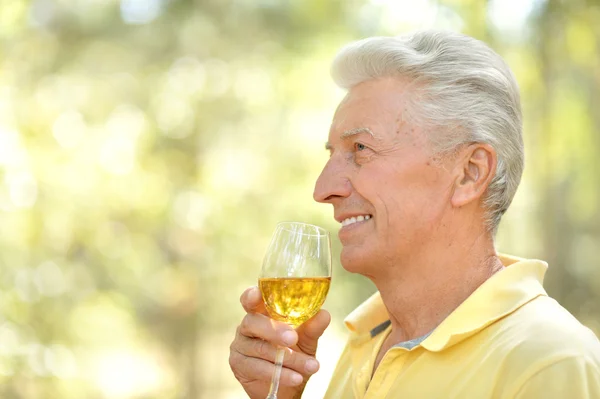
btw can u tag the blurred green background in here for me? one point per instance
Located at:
(149, 147)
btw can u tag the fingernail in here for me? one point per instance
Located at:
(296, 379)
(254, 294)
(311, 366)
(289, 337)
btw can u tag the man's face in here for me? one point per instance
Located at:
(382, 179)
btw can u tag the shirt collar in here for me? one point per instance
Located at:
(500, 295)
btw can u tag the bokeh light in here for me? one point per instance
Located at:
(149, 147)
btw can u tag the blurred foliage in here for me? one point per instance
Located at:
(148, 148)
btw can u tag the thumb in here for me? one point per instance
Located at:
(252, 301)
(310, 332)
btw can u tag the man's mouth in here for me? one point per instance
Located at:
(354, 219)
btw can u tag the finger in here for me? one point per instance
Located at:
(310, 332)
(260, 326)
(252, 301)
(252, 369)
(294, 360)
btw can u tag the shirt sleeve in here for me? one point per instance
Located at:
(572, 377)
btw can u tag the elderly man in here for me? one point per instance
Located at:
(426, 156)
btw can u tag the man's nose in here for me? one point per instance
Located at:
(333, 182)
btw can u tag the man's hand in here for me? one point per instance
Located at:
(252, 352)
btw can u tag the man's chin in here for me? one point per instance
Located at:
(355, 260)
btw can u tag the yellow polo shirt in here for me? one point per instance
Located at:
(507, 340)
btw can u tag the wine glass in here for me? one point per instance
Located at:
(295, 278)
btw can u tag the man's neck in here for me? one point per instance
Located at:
(422, 291)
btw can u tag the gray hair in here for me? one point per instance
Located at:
(461, 87)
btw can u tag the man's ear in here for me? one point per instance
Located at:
(476, 168)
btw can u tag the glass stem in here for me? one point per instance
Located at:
(277, 373)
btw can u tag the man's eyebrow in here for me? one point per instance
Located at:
(358, 130)
(350, 133)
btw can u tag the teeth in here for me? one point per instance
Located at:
(355, 219)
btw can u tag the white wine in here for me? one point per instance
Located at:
(294, 300)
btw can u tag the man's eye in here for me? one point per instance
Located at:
(359, 147)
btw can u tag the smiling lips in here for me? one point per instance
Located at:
(354, 219)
